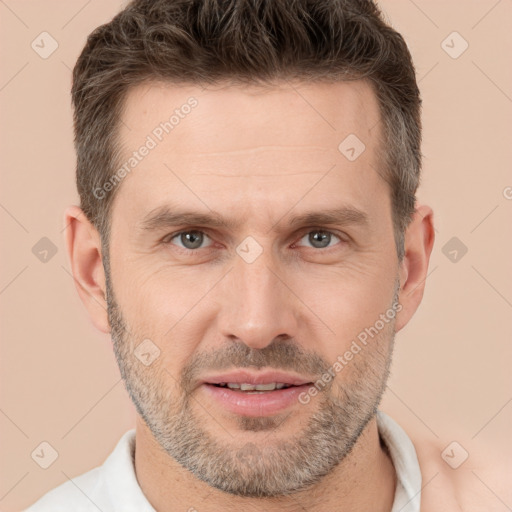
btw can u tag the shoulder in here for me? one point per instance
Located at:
(111, 486)
(78, 494)
(462, 476)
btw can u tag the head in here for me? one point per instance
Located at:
(264, 119)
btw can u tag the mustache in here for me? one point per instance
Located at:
(280, 354)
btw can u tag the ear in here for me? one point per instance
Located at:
(83, 245)
(419, 240)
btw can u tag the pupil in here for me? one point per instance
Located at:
(325, 238)
(191, 237)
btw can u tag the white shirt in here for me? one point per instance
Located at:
(113, 486)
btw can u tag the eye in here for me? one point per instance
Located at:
(320, 239)
(190, 240)
(194, 239)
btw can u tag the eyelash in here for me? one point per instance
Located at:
(168, 238)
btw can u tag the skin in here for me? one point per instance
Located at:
(258, 157)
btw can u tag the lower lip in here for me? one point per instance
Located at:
(255, 404)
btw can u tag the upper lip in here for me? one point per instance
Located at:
(267, 377)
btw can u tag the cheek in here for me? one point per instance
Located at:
(157, 295)
(167, 306)
(347, 300)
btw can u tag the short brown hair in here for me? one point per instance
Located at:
(245, 42)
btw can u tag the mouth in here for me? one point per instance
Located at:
(245, 379)
(255, 394)
(252, 389)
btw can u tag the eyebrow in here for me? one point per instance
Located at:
(167, 217)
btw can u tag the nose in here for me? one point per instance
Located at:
(257, 303)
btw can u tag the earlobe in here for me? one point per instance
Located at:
(419, 241)
(83, 246)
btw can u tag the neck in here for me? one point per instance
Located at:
(364, 480)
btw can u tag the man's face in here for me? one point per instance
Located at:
(263, 293)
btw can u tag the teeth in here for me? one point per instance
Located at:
(258, 387)
(271, 386)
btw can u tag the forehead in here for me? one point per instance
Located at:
(326, 110)
(264, 144)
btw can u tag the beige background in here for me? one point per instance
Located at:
(451, 377)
